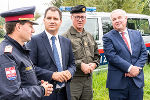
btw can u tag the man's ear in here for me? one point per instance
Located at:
(18, 27)
(126, 17)
(71, 17)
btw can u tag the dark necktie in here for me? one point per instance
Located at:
(56, 57)
(125, 40)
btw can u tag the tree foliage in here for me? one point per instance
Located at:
(37, 15)
(57, 3)
(130, 6)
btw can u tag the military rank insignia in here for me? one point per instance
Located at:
(10, 73)
(8, 49)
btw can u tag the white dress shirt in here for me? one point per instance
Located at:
(57, 45)
(128, 40)
(58, 49)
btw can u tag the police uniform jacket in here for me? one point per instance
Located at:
(84, 47)
(17, 76)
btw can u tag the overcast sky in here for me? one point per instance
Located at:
(41, 5)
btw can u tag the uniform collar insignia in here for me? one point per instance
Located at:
(8, 49)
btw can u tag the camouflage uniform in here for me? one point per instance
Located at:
(85, 50)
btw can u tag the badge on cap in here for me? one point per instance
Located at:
(83, 9)
(10, 73)
(8, 49)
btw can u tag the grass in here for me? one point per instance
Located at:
(99, 86)
(101, 92)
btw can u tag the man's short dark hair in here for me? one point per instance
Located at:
(53, 9)
(10, 26)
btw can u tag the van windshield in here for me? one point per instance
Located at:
(132, 23)
(139, 24)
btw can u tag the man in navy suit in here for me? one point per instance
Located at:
(126, 53)
(56, 68)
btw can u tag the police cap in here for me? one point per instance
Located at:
(78, 9)
(20, 14)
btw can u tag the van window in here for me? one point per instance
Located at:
(92, 26)
(66, 23)
(139, 24)
(106, 24)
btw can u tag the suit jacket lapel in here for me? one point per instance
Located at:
(48, 46)
(131, 39)
(118, 36)
(62, 50)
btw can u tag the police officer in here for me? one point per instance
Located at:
(17, 76)
(86, 55)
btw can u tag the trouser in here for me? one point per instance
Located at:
(81, 88)
(132, 92)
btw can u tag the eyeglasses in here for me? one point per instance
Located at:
(80, 17)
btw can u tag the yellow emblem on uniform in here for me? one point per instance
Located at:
(8, 49)
(83, 9)
(85, 43)
(28, 68)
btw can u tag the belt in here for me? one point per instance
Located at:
(60, 90)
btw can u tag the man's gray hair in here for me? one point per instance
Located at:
(118, 10)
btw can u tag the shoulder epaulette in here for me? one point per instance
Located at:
(8, 49)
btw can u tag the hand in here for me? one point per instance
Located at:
(134, 71)
(59, 76)
(85, 68)
(128, 75)
(48, 87)
(93, 66)
(67, 75)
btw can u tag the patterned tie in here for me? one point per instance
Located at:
(56, 57)
(125, 40)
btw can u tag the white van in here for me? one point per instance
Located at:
(99, 23)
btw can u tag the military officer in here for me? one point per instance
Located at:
(17, 76)
(86, 55)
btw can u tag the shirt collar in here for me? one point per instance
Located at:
(50, 35)
(126, 31)
(75, 32)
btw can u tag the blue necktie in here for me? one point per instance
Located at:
(56, 57)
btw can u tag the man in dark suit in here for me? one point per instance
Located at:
(126, 53)
(53, 54)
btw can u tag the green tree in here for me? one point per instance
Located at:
(37, 15)
(130, 6)
(146, 9)
(57, 3)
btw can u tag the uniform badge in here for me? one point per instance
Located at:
(10, 73)
(28, 68)
(85, 43)
(83, 9)
(8, 49)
